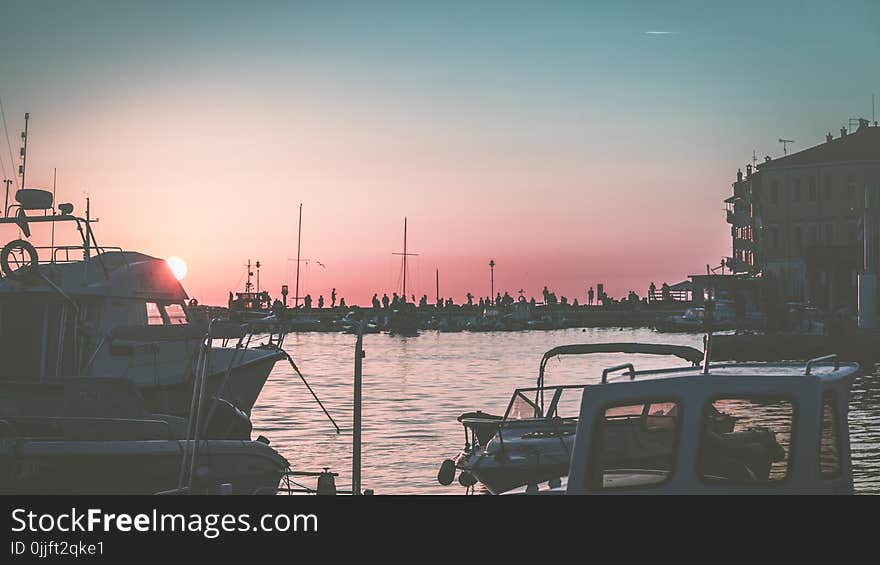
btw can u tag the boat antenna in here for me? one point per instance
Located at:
(24, 136)
(257, 265)
(298, 243)
(437, 283)
(248, 285)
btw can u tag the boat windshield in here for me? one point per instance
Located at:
(562, 401)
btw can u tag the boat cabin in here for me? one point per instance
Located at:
(789, 435)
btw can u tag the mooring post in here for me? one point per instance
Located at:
(356, 427)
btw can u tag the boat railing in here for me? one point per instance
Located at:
(823, 359)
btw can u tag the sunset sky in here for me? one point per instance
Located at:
(563, 139)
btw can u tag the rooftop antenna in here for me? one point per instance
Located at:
(785, 143)
(23, 152)
(405, 255)
(755, 160)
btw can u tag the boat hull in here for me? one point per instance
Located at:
(136, 467)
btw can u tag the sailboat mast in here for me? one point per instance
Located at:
(298, 242)
(24, 136)
(404, 258)
(438, 286)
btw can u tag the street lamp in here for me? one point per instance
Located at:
(492, 274)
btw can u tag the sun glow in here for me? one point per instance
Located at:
(178, 267)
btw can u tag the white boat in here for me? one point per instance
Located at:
(91, 311)
(532, 441)
(801, 406)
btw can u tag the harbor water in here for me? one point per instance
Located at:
(415, 387)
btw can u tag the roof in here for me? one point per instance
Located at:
(863, 145)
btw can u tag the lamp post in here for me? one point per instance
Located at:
(492, 279)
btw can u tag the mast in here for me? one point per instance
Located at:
(437, 285)
(298, 242)
(405, 255)
(248, 285)
(404, 258)
(54, 180)
(24, 136)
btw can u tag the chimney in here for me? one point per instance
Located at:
(739, 175)
(829, 137)
(766, 158)
(748, 171)
(842, 132)
(863, 123)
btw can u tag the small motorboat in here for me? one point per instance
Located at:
(791, 434)
(534, 437)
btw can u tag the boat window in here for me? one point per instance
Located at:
(745, 440)
(522, 408)
(175, 313)
(154, 315)
(634, 445)
(829, 445)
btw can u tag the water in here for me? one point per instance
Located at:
(414, 388)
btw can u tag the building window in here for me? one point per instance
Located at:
(648, 453)
(774, 192)
(729, 424)
(828, 190)
(812, 194)
(796, 196)
(829, 234)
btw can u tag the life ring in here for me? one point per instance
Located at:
(22, 246)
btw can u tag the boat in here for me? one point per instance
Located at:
(532, 441)
(89, 435)
(87, 310)
(791, 434)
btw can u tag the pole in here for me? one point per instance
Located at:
(298, 241)
(24, 149)
(54, 180)
(404, 259)
(356, 427)
(6, 208)
(437, 283)
(492, 278)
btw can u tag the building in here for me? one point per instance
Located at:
(798, 221)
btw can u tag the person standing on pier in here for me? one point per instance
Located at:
(333, 298)
(375, 301)
(320, 301)
(385, 301)
(342, 302)
(470, 299)
(308, 301)
(590, 296)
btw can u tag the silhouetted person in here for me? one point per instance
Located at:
(308, 301)
(423, 301)
(574, 303)
(278, 308)
(532, 302)
(590, 296)
(665, 292)
(333, 298)
(395, 300)
(651, 291)
(482, 303)
(385, 301)
(320, 301)
(376, 301)
(498, 299)
(470, 299)
(546, 294)
(342, 302)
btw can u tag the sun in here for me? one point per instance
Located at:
(178, 267)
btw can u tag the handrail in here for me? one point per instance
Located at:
(822, 359)
(691, 354)
(632, 371)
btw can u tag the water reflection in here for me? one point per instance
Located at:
(414, 388)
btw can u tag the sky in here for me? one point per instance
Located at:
(568, 141)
